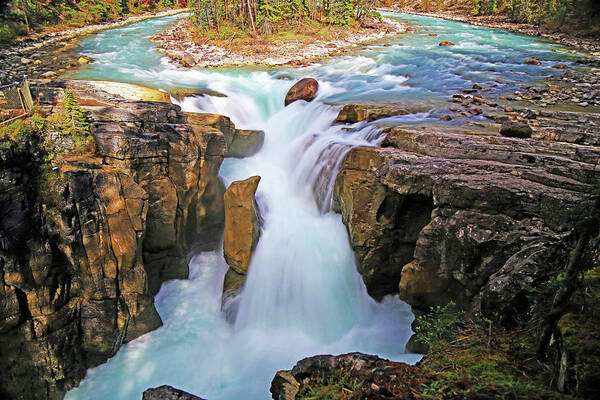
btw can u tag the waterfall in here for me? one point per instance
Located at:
(303, 295)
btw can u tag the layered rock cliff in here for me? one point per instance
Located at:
(80, 263)
(440, 213)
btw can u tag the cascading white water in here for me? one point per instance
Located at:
(303, 295)
(302, 278)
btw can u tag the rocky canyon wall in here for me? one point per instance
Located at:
(439, 214)
(80, 263)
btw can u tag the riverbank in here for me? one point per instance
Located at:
(590, 45)
(53, 53)
(298, 47)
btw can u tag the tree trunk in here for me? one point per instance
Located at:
(251, 17)
(562, 299)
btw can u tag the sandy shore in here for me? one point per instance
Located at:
(178, 44)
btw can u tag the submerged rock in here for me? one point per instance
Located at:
(166, 392)
(305, 89)
(533, 61)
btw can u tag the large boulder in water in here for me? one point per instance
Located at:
(166, 392)
(242, 231)
(242, 228)
(305, 89)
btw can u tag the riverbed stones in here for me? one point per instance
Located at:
(533, 61)
(305, 89)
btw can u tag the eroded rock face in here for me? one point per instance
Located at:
(379, 378)
(245, 143)
(453, 215)
(78, 275)
(166, 392)
(242, 231)
(352, 113)
(305, 89)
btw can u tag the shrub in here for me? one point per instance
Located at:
(438, 325)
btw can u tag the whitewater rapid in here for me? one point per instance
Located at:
(303, 295)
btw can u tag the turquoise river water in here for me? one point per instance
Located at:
(303, 295)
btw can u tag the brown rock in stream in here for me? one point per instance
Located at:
(242, 231)
(305, 89)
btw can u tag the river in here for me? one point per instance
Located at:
(303, 295)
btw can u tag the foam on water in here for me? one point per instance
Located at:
(303, 295)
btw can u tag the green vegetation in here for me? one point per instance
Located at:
(478, 361)
(438, 325)
(574, 16)
(72, 124)
(267, 16)
(22, 17)
(579, 329)
(331, 386)
(44, 140)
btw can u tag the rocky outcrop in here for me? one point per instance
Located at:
(245, 143)
(305, 89)
(517, 129)
(369, 377)
(242, 231)
(166, 392)
(463, 214)
(84, 249)
(352, 113)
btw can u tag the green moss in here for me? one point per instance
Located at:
(479, 366)
(579, 330)
(336, 386)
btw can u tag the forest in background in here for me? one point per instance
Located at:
(22, 17)
(267, 16)
(572, 16)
